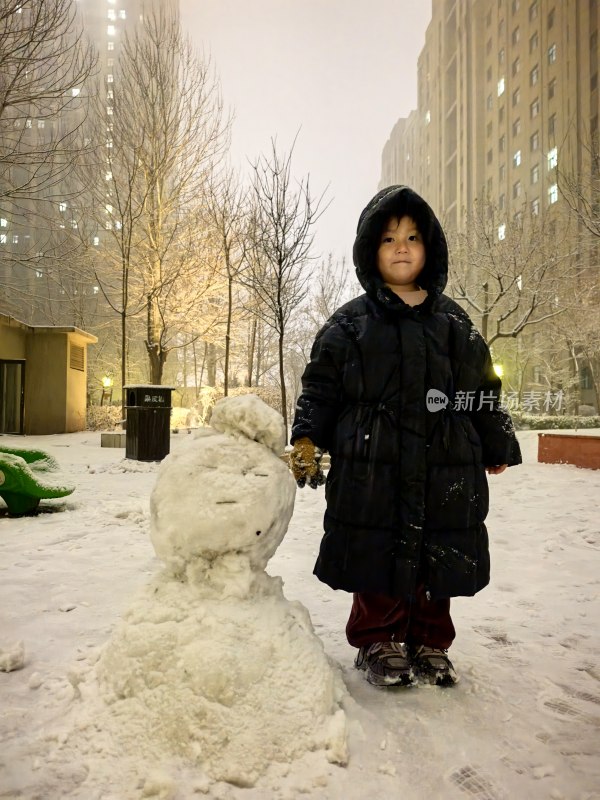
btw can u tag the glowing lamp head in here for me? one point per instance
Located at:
(499, 370)
(107, 382)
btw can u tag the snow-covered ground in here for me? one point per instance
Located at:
(524, 722)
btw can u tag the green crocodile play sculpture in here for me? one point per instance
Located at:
(26, 478)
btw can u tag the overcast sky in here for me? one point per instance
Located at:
(339, 71)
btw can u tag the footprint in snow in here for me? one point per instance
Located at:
(472, 782)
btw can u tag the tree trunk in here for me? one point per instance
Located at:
(251, 348)
(123, 361)
(211, 364)
(228, 336)
(282, 381)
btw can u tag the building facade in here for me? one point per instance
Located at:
(507, 93)
(42, 229)
(507, 106)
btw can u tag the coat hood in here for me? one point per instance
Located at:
(397, 201)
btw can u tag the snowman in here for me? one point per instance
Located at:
(212, 665)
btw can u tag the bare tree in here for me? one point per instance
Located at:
(226, 211)
(511, 275)
(45, 63)
(283, 217)
(167, 129)
(581, 189)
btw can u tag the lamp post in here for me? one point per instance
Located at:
(107, 390)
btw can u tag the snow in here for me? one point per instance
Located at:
(81, 718)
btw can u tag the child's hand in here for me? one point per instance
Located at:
(305, 463)
(496, 470)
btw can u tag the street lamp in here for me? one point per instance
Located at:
(499, 370)
(107, 389)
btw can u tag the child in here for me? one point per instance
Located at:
(401, 391)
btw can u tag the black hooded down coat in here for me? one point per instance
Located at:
(407, 492)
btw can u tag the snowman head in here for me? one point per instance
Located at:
(225, 493)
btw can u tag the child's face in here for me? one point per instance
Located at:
(401, 254)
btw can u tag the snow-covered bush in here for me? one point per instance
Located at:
(539, 422)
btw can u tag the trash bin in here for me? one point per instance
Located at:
(148, 422)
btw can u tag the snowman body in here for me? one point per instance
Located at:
(212, 662)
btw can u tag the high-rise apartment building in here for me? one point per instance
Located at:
(33, 242)
(507, 91)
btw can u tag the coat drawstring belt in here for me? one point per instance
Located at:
(366, 422)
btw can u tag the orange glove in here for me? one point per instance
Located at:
(305, 463)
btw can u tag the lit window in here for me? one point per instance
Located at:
(15, 238)
(535, 206)
(39, 273)
(123, 14)
(427, 117)
(517, 159)
(118, 225)
(108, 208)
(41, 123)
(109, 110)
(110, 78)
(2, 238)
(74, 224)
(502, 232)
(535, 173)
(108, 224)
(112, 14)
(552, 158)
(111, 30)
(552, 54)
(96, 241)
(500, 87)
(553, 194)
(110, 46)
(62, 206)
(96, 289)
(109, 144)
(3, 222)
(110, 95)
(28, 123)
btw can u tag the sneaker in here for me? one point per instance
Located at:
(433, 665)
(386, 664)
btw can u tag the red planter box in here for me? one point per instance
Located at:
(569, 448)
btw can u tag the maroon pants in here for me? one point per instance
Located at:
(379, 618)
